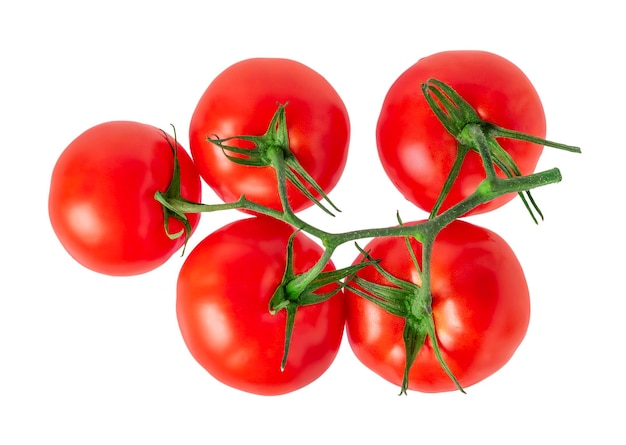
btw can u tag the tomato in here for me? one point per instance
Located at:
(223, 291)
(480, 305)
(242, 101)
(417, 152)
(101, 201)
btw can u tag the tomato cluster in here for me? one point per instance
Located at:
(270, 137)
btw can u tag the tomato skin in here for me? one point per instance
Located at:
(242, 101)
(101, 202)
(481, 309)
(223, 292)
(417, 152)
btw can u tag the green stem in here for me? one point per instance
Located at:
(421, 308)
(462, 151)
(299, 283)
(424, 298)
(408, 300)
(242, 203)
(474, 136)
(277, 160)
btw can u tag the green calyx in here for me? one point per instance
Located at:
(472, 133)
(172, 195)
(409, 301)
(271, 149)
(295, 291)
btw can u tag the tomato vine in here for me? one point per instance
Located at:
(406, 299)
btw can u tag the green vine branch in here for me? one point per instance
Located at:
(411, 301)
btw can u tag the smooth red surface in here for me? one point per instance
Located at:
(480, 304)
(101, 202)
(417, 152)
(223, 292)
(242, 100)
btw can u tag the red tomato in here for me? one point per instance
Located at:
(242, 101)
(480, 305)
(223, 292)
(417, 152)
(101, 203)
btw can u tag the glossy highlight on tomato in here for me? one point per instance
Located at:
(480, 302)
(223, 292)
(242, 101)
(417, 152)
(101, 201)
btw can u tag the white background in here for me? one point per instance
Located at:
(90, 359)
